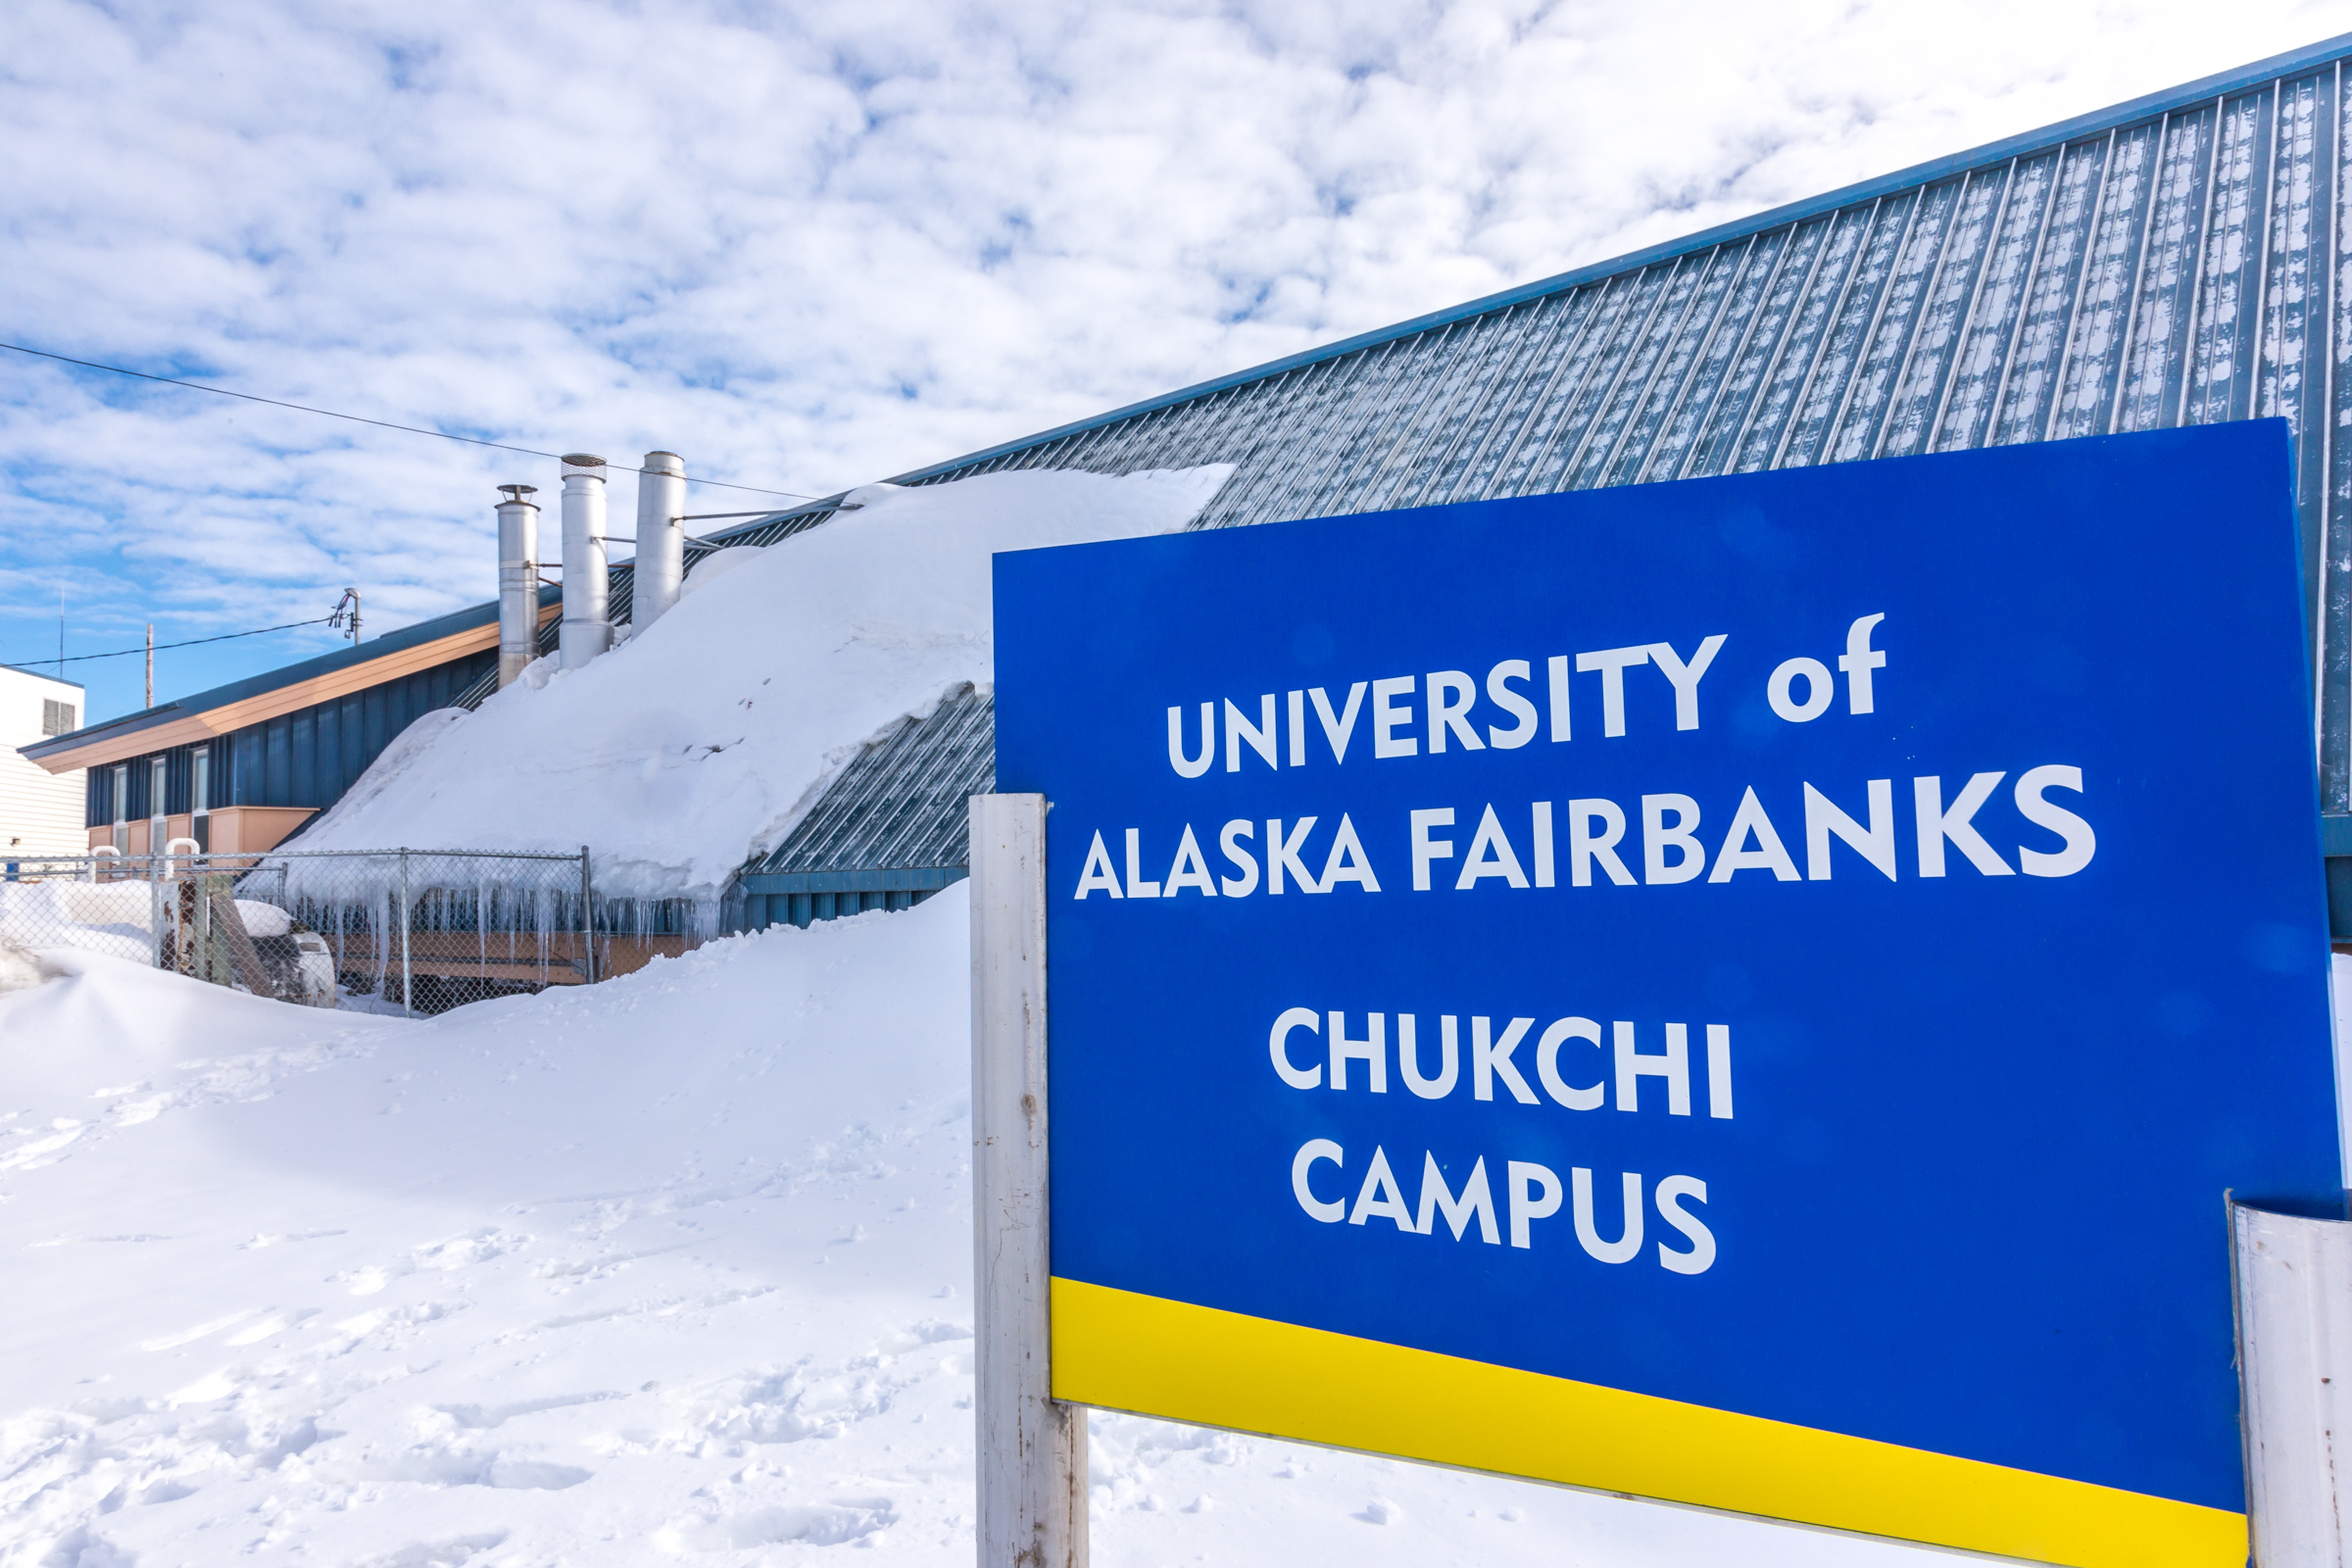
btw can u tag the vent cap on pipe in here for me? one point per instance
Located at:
(581, 460)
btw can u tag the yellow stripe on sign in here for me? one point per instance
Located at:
(1125, 1351)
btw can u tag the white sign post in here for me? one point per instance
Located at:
(2294, 1350)
(1032, 1449)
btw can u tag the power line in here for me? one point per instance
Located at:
(357, 419)
(26, 663)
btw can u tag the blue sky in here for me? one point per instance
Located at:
(814, 245)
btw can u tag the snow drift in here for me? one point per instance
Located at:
(705, 738)
(677, 1267)
(670, 1267)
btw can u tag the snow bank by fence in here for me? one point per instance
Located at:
(413, 929)
(115, 918)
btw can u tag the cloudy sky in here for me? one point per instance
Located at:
(813, 245)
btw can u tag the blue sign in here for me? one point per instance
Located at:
(1748, 990)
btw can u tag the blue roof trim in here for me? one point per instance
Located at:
(912, 879)
(2120, 117)
(391, 642)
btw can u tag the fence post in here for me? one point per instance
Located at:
(156, 862)
(587, 918)
(407, 1007)
(1032, 1449)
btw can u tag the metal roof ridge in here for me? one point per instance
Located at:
(2116, 117)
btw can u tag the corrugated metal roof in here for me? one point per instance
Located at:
(901, 804)
(2150, 107)
(2175, 260)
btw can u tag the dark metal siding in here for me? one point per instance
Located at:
(306, 757)
(310, 757)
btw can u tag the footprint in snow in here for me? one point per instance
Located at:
(831, 1523)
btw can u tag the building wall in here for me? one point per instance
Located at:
(39, 811)
(306, 758)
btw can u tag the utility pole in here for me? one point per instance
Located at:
(151, 664)
(348, 605)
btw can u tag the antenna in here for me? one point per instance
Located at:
(347, 604)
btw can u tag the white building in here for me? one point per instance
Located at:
(40, 813)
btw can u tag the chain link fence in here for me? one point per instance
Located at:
(410, 931)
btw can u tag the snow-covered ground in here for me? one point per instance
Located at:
(678, 1266)
(674, 1266)
(708, 735)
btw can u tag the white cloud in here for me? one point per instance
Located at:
(810, 246)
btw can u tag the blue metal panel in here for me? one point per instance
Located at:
(925, 879)
(2292, 354)
(2220, 374)
(249, 751)
(302, 745)
(1849, 337)
(1983, 359)
(804, 910)
(1759, 266)
(350, 726)
(278, 779)
(2153, 366)
(1744, 377)
(1872, 388)
(177, 769)
(378, 729)
(2050, 301)
(395, 709)
(332, 780)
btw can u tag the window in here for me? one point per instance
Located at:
(57, 719)
(159, 784)
(199, 780)
(121, 791)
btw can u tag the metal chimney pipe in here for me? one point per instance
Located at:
(661, 536)
(587, 628)
(517, 581)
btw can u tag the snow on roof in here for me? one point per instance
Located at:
(705, 738)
